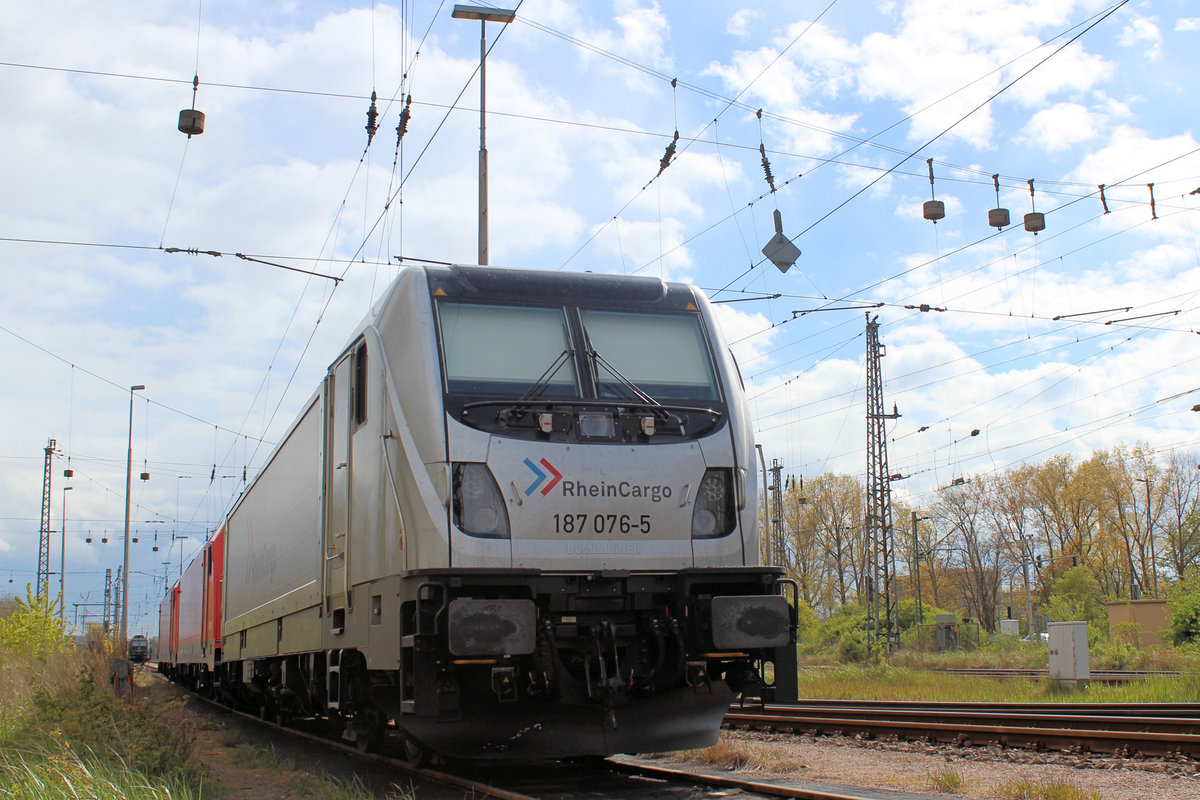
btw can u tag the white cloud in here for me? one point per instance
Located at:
(642, 35)
(1187, 24)
(1132, 154)
(1061, 126)
(1142, 32)
(739, 23)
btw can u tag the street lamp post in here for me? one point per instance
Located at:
(916, 569)
(62, 560)
(484, 15)
(1150, 536)
(1028, 597)
(128, 487)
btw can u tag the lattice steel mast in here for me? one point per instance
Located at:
(881, 557)
(778, 547)
(108, 593)
(43, 570)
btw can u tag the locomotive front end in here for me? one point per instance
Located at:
(602, 592)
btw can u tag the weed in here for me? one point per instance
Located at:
(328, 787)
(263, 758)
(150, 737)
(745, 757)
(947, 780)
(64, 775)
(1043, 790)
(231, 738)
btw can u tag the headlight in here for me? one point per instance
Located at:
(478, 505)
(713, 516)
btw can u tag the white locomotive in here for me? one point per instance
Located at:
(517, 520)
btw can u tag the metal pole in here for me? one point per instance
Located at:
(916, 570)
(1150, 535)
(62, 560)
(1028, 598)
(484, 14)
(128, 487)
(483, 171)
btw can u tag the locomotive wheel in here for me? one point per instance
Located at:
(368, 727)
(416, 754)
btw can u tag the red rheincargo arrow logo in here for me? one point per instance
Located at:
(553, 481)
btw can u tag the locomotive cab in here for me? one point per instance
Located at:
(602, 593)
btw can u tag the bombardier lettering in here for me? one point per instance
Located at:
(655, 493)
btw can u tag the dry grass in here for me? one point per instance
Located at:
(948, 780)
(746, 757)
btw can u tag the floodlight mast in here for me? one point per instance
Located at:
(484, 15)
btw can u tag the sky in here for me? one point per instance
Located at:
(119, 235)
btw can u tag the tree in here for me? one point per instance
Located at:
(977, 548)
(34, 628)
(1076, 597)
(1181, 514)
(837, 504)
(1184, 607)
(805, 550)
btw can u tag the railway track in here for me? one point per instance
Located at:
(613, 779)
(1155, 729)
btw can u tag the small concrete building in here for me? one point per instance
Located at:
(1149, 617)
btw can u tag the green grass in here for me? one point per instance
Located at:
(45, 775)
(64, 734)
(1043, 790)
(905, 683)
(320, 784)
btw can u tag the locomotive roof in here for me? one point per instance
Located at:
(496, 283)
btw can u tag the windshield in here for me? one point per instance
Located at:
(664, 355)
(506, 350)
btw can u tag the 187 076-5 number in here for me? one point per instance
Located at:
(601, 523)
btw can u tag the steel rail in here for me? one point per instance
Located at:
(770, 789)
(480, 789)
(1066, 729)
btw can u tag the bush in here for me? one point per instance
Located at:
(1183, 605)
(1075, 597)
(145, 736)
(33, 628)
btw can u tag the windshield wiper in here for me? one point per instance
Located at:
(631, 387)
(539, 387)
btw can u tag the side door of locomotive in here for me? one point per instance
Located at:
(336, 574)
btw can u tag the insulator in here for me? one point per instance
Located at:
(191, 122)
(766, 165)
(665, 161)
(402, 125)
(934, 209)
(997, 217)
(372, 120)
(1035, 220)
